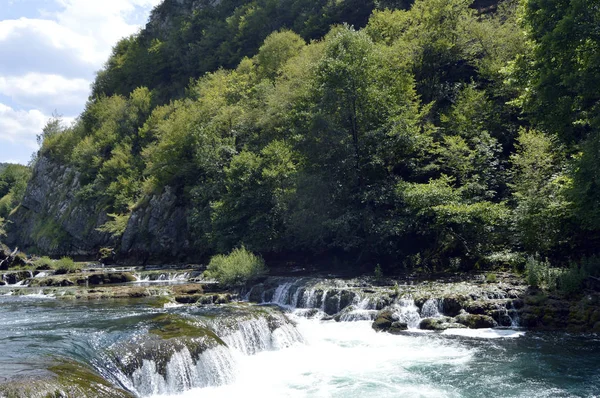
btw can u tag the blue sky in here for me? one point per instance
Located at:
(50, 51)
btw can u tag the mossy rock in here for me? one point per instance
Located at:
(110, 278)
(64, 380)
(332, 302)
(346, 298)
(439, 324)
(383, 321)
(168, 335)
(473, 321)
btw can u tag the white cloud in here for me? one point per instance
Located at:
(21, 126)
(86, 28)
(37, 84)
(48, 62)
(47, 92)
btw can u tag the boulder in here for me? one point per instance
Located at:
(385, 322)
(474, 321)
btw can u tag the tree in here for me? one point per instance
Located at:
(539, 189)
(564, 85)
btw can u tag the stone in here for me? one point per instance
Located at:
(473, 321)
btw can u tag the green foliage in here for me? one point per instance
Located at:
(237, 268)
(430, 135)
(116, 227)
(65, 265)
(563, 72)
(539, 273)
(277, 49)
(539, 189)
(570, 281)
(491, 278)
(13, 182)
(44, 263)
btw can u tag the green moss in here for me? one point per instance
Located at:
(50, 230)
(170, 326)
(82, 381)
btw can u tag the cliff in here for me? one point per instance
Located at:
(54, 220)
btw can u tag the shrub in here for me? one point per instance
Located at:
(65, 265)
(540, 274)
(43, 263)
(237, 268)
(491, 278)
(570, 281)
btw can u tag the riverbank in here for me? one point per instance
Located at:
(152, 347)
(450, 301)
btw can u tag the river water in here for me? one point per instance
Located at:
(306, 357)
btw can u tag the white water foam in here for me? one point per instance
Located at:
(485, 333)
(346, 359)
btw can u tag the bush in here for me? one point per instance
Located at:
(65, 265)
(540, 274)
(237, 268)
(570, 281)
(43, 263)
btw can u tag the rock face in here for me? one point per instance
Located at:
(55, 219)
(52, 219)
(158, 229)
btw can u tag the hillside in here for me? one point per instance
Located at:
(414, 138)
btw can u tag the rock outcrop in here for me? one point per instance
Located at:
(56, 219)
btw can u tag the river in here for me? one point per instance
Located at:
(268, 356)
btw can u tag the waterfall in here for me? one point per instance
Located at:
(214, 367)
(256, 335)
(281, 295)
(251, 337)
(405, 310)
(513, 315)
(432, 308)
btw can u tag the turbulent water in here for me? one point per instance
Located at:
(268, 356)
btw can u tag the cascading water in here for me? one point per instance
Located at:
(260, 351)
(432, 308)
(214, 367)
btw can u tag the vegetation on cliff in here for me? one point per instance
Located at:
(434, 136)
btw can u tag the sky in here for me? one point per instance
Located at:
(50, 51)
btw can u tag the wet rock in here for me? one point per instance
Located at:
(332, 302)
(256, 293)
(16, 277)
(63, 380)
(346, 298)
(453, 304)
(439, 324)
(397, 327)
(110, 278)
(385, 322)
(473, 321)
(190, 299)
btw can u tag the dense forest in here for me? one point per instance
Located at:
(433, 135)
